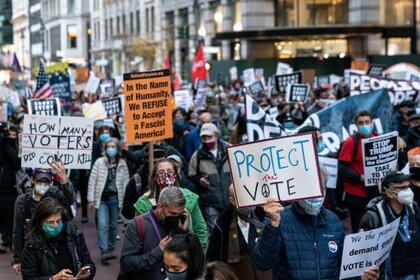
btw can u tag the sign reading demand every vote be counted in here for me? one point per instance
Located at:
(284, 168)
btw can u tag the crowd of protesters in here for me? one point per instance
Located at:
(182, 221)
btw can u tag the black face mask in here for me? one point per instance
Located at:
(170, 222)
(416, 129)
(415, 170)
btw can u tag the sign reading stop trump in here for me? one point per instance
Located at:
(148, 108)
(284, 168)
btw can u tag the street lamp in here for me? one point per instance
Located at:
(22, 38)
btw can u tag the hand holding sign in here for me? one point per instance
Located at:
(371, 273)
(273, 209)
(60, 170)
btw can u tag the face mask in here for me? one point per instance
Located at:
(179, 122)
(171, 222)
(365, 130)
(52, 231)
(177, 275)
(311, 206)
(210, 145)
(415, 171)
(111, 151)
(104, 137)
(323, 102)
(405, 196)
(416, 129)
(165, 180)
(289, 125)
(321, 146)
(41, 188)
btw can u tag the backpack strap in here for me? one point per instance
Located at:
(140, 229)
(355, 147)
(137, 179)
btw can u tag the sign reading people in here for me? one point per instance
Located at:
(46, 138)
(44, 107)
(399, 91)
(147, 106)
(282, 81)
(283, 168)
(366, 249)
(297, 93)
(380, 156)
(113, 106)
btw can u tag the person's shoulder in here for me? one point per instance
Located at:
(330, 217)
(20, 200)
(189, 194)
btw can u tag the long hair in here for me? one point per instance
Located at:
(152, 187)
(47, 207)
(188, 249)
(219, 271)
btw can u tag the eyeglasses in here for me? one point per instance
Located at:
(167, 171)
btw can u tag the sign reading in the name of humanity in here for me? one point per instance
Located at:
(256, 88)
(44, 107)
(398, 91)
(68, 139)
(297, 93)
(366, 249)
(148, 108)
(380, 156)
(113, 106)
(282, 81)
(283, 168)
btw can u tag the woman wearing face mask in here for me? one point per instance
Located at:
(164, 175)
(184, 257)
(107, 183)
(397, 202)
(104, 134)
(181, 128)
(56, 248)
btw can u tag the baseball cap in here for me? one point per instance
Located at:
(175, 158)
(394, 177)
(208, 129)
(43, 174)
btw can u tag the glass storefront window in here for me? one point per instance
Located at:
(398, 46)
(314, 48)
(397, 12)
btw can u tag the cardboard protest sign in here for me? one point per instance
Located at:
(58, 74)
(260, 125)
(336, 122)
(331, 166)
(283, 68)
(283, 168)
(380, 156)
(249, 76)
(148, 106)
(308, 76)
(366, 249)
(44, 107)
(113, 106)
(95, 111)
(256, 88)
(375, 70)
(398, 91)
(92, 84)
(282, 81)
(297, 93)
(200, 83)
(67, 138)
(182, 98)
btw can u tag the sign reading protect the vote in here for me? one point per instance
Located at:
(47, 137)
(380, 156)
(283, 168)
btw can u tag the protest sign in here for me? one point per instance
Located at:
(67, 138)
(360, 64)
(398, 91)
(366, 249)
(283, 68)
(10, 96)
(95, 111)
(347, 74)
(200, 83)
(375, 70)
(284, 168)
(44, 107)
(233, 71)
(113, 106)
(58, 74)
(107, 86)
(256, 88)
(182, 98)
(308, 76)
(260, 125)
(322, 81)
(92, 84)
(282, 81)
(331, 166)
(380, 156)
(200, 97)
(148, 106)
(249, 76)
(336, 122)
(297, 93)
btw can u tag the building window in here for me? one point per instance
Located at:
(118, 26)
(111, 27)
(147, 20)
(71, 6)
(311, 48)
(399, 46)
(397, 12)
(106, 29)
(123, 24)
(138, 22)
(152, 12)
(131, 23)
(95, 5)
(72, 36)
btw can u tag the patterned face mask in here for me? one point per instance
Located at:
(165, 179)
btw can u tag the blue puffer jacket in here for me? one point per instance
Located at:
(302, 247)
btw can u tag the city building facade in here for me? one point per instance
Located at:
(21, 32)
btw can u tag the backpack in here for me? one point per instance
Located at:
(141, 234)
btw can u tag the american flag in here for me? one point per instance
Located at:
(43, 88)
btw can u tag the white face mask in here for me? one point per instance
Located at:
(405, 196)
(41, 188)
(312, 206)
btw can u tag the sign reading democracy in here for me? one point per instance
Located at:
(44, 107)
(380, 156)
(283, 168)
(297, 93)
(148, 108)
(47, 137)
(366, 249)
(282, 81)
(113, 106)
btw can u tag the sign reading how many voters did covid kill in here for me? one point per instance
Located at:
(47, 137)
(366, 249)
(283, 168)
(148, 107)
(380, 156)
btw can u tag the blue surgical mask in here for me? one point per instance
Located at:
(321, 146)
(179, 122)
(312, 206)
(289, 125)
(177, 275)
(104, 137)
(365, 130)
(52, 231)
(111, 151)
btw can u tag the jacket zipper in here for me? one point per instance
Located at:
(317, 260)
